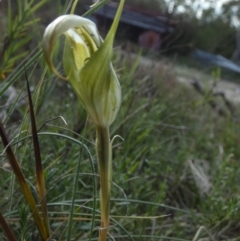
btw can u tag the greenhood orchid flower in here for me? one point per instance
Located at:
(87, 65)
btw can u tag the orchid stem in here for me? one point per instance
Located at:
(104, 155)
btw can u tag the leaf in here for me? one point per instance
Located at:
(38, 162)
(22, 182)
(7, 230)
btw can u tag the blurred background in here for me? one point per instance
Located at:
(176, 173)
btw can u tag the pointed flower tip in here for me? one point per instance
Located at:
(112, 32)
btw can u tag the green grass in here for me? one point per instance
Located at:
(157, 194)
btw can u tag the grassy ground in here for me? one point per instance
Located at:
(176, 172)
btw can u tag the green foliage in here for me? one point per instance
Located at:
(231, 10)
(216, 37)
(21, 22)
(203, 28)
(24, 229)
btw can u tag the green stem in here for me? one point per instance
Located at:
(104, 155)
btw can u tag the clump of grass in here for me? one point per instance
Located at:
(21, 21)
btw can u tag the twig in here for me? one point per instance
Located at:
(198, 87)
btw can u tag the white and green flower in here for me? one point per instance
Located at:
(87, 64)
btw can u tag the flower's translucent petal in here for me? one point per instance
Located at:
(70, 66)
(99, 89)
(87, 63)
(60, 26)
(81, 51)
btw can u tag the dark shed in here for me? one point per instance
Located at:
(146, 28)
